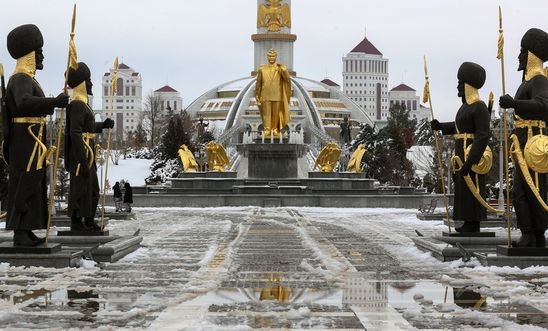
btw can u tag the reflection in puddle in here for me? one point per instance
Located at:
(467, 298)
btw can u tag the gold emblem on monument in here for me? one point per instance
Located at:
(274, 16)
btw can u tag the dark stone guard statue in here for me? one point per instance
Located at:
(471, 127)
(25, 137)
(531, 113)
(80, 151)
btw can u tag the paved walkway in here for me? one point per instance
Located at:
(256, 268)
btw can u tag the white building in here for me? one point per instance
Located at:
(127, 104)
(169, 98)
(365, 80)
(405, 95)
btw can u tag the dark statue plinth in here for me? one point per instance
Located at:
(208, 174)
(468, 234)
(522, 251)
(82, 233)
(7, 247)
(272, 160)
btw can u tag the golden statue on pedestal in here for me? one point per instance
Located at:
(354, 165)
(328, 157)
(187, 159)
(217, 159)
(272, 92)
(274, 16)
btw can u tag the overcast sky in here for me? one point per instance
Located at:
(196, 45)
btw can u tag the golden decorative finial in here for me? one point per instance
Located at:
(1, 69)
(274, 16)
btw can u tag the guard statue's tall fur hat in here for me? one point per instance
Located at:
(536, 41)
(76, 77)
(472, 74)
(24, 39)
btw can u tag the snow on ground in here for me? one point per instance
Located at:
(133, 170)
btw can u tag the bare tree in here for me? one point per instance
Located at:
(152, 116)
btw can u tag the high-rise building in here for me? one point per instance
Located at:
(365, 80)
(127, 104)
(170, 99)
(405, 95)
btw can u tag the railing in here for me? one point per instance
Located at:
(294, 137)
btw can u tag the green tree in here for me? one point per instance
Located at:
(178, 132)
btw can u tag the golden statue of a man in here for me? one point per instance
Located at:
(272, 92)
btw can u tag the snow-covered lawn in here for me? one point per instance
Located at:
(133, 170)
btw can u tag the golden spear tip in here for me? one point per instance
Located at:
(491, 96)
(500, 17)
(116, 64)
(425, 67)
(73, 25)
(1, 69)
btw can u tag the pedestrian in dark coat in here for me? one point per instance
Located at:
(117, 193)
(128, 196)
(471, 127)
(24, 123)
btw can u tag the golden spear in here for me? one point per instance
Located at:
(113, 90)
(71, 63)
(500, 56)
(427, 98)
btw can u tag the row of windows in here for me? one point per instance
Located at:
(329, 104)
(409, 104)
(365, 77)
(121, 107)
(362, 85)
(127, 80)
(366, 66)
(169, 105)
(120, 90)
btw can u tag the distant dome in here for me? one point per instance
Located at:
(312, 104)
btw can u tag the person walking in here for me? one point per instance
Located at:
(117, 196)
(128, 197)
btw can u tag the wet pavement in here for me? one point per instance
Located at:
(281, 268)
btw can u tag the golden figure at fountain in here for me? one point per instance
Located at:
(217, 159)
(328, 157)
(273, 16)
(187, 159)
(354, 165)
(272, 92)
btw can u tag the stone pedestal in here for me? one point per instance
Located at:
(272, 160)
(209, 174)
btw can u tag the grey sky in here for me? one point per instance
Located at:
(196, 45)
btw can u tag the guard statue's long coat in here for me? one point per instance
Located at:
(530, 214)
(474, 119)
(27, 191)
(83, 191)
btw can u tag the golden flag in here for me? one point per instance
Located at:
(500, 52)
(426, 92)
(73, 58)
(115, 77)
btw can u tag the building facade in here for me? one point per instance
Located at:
(127, 103)
(405, 95)
(365, 80)
(170, 99)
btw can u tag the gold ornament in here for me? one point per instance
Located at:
(354, 165)
(187, 159)
(328, 157)
(274, 16)
(217, 159)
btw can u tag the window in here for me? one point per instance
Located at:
(175, 105)
(414, 104)
(105, 92)
(127, 90)
(133, 90)
(120, 87)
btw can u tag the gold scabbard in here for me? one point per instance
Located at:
(456, 164)
(90, 154)
(516, 153)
